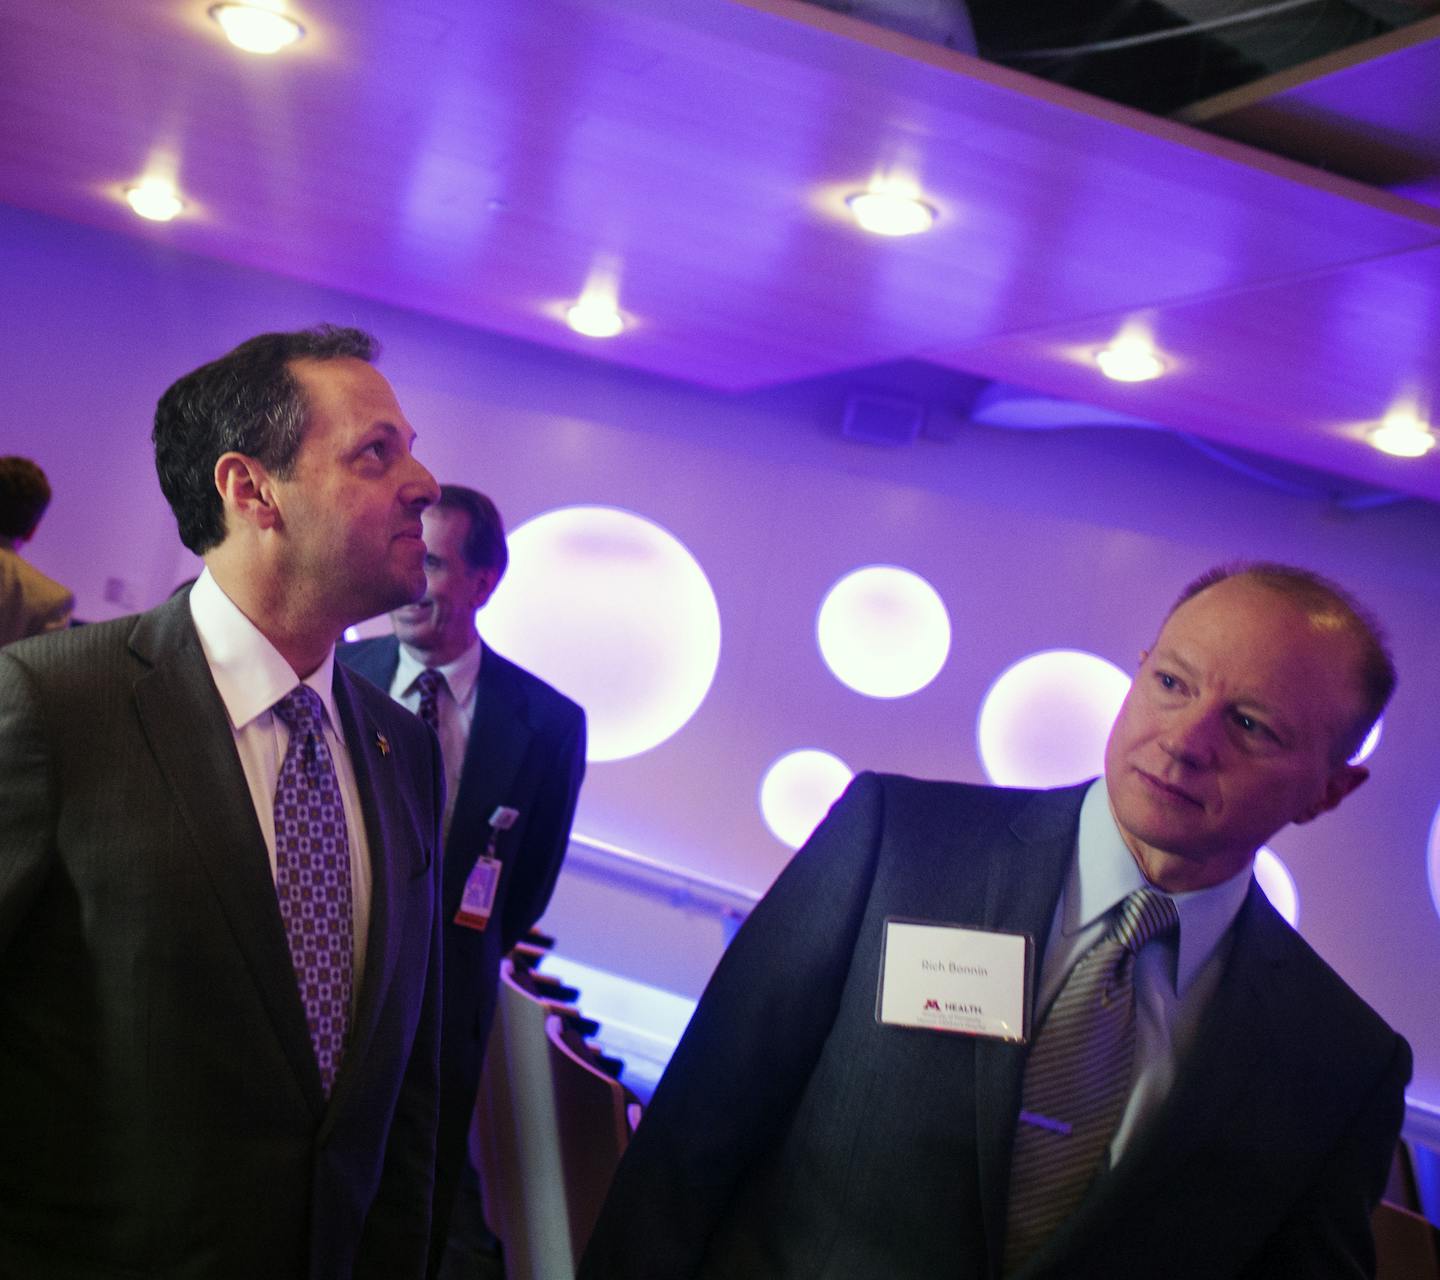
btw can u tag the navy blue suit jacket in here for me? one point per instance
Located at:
(527, 751)
(161, 1110)
(793, 1135)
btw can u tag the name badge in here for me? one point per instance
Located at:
(477, 900)
(943, 977)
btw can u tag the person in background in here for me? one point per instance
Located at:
(976, 1032)
(29, 601)
(219, 860)
(510, 742)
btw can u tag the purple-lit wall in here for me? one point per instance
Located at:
(1034, 540)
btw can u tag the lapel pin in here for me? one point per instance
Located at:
(383, 743)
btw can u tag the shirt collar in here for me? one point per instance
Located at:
(460, 675)
(1104, 872)
(249, 671)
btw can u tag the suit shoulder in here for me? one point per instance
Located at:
(368, 657)
(75, 652)
(537, 690)
(1328, 996)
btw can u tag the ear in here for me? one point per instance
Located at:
(486, 580)
(1342, 781)
(246, 491)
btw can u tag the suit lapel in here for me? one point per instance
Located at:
(208, 784)
(500, 734)
(386, 814)
(1026, 876)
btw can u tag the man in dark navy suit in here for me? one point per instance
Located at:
(510, 742)
(857, 1094)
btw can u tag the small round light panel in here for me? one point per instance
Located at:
(884, 631)
(1372, 740)
(1044, 721)
(1435, 862)
(615, 612)
(797, 792)
(1279, 885)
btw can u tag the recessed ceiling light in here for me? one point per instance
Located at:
(256, 29)
(890, 213)
(155, 199)
(1403, 435)
(595, 318)
(1129, 360)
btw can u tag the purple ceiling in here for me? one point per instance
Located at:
(482, 162)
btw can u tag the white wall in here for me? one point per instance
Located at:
(1035, 540)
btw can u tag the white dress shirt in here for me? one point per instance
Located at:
(455, 706)
(252, 677)
(1174, 976)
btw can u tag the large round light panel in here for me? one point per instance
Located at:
(614, 611)
(798, 790)
(1279, 885)
(1045, 720)
(884, 631)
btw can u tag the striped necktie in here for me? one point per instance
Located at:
(1077, 1078)
(430, 682)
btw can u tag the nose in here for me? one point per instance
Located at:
(426, 492)
(1193, 736)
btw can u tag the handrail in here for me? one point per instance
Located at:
(689, 889)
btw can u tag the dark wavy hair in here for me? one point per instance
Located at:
(484, 546)
(24, 495)
(246, 402)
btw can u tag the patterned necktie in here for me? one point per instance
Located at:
(312, 877)
(430, 682)
(1077, 1078)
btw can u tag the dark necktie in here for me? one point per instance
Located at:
(430, 682)
(312, 877)
(1078, 1077)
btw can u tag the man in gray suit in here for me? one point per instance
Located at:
(509, 740)
(219, 854)
(957, 995)
(29, 601)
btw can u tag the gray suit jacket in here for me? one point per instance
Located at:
(793, 1135)
(161, 1111)
(30, 603)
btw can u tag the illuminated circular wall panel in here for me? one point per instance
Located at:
(884, 631)
(1045, 720)
(1435, 862)
(613, 611)
(797, 792)
(1279, 885)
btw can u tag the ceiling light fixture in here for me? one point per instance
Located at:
(256, 29)
(154, 199)
(1403, 434)
(595, 318)
(1129, 360)
(890, 213)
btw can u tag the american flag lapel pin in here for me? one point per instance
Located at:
(383, 743)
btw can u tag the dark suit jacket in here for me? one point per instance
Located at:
(794, 1135)
(161, 1111)
(526, 750)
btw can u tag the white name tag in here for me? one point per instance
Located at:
(944, 977)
